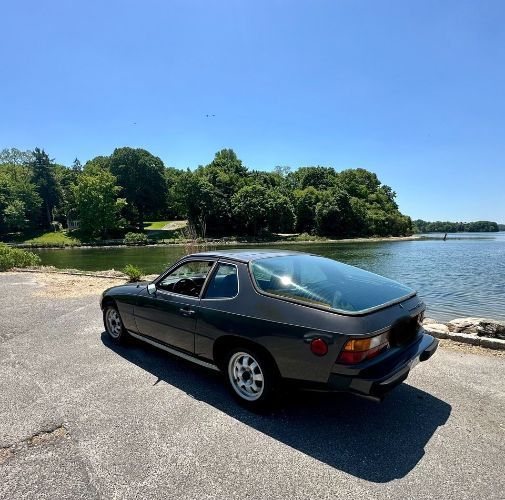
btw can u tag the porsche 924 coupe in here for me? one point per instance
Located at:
(266, 316)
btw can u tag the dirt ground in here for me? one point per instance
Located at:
(59, 285)
(470, 349)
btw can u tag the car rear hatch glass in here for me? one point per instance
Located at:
(326, 283)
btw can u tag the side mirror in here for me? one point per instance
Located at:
(151, 288)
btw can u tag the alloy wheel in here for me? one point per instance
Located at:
(113, 322)
(246, 376)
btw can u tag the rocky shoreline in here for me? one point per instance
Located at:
(483, 332)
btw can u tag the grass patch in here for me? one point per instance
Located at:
(159, 224)
(174, 230)
(50, 238)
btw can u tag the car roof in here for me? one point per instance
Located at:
(247, 254)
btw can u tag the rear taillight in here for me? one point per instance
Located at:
(357, 350)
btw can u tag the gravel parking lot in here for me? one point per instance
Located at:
(83, 418)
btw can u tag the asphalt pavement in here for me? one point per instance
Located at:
(83, 418)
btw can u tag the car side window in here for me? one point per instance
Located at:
(224, 283)
(187, 279)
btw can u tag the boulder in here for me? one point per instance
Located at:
(481, 327)
(427, 321)
(464, 325)
(491, 328)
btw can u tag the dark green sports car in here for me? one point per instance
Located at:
(264, 316)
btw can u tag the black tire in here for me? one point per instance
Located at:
(256, 374)
(114, 324)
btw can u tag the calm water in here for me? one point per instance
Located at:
(463, 276)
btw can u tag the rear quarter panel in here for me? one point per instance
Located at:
(286, 328)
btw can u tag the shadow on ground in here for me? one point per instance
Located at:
(376, 442)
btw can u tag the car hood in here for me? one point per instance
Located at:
(127, 289)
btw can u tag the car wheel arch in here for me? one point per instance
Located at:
(108, 301)
(224, 344)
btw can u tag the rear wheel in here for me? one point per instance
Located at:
(113, 324)
(252, 378)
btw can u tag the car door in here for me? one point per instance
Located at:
(168, 314)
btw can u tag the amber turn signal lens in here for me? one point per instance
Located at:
(356, 350)
(358, 345)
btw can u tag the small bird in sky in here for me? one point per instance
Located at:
(210, 116)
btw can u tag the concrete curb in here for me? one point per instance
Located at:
(468, 339)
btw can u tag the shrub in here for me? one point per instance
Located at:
(309, 237)
(14, 257)
(133, 272)
(135, 239)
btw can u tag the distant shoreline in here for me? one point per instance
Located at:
(225, 242)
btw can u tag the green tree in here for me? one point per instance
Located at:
(200, 199)
(227, 175)
(280, 212)
(97, 202)
(15, 215)
(454, 227)
(318, 177)
(227, 161)
(142, 177)
(76, 165)
(47, 186)
(96, 164)
(305, 208)
(19, 201)
(266, 179)
(176, 198)
(66, 179)
(256, 208)
(358, 182)
(250, 208)
(334, 214)
(14, 156)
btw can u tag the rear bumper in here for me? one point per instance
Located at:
(378, 385)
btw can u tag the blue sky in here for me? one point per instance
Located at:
(412, 90)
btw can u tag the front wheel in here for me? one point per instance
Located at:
(252, 379)
(114, 325)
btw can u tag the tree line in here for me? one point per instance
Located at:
(481, 226)
(113, 194)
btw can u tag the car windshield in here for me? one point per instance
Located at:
(326, 283)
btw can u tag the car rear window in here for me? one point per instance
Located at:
(326, 283)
